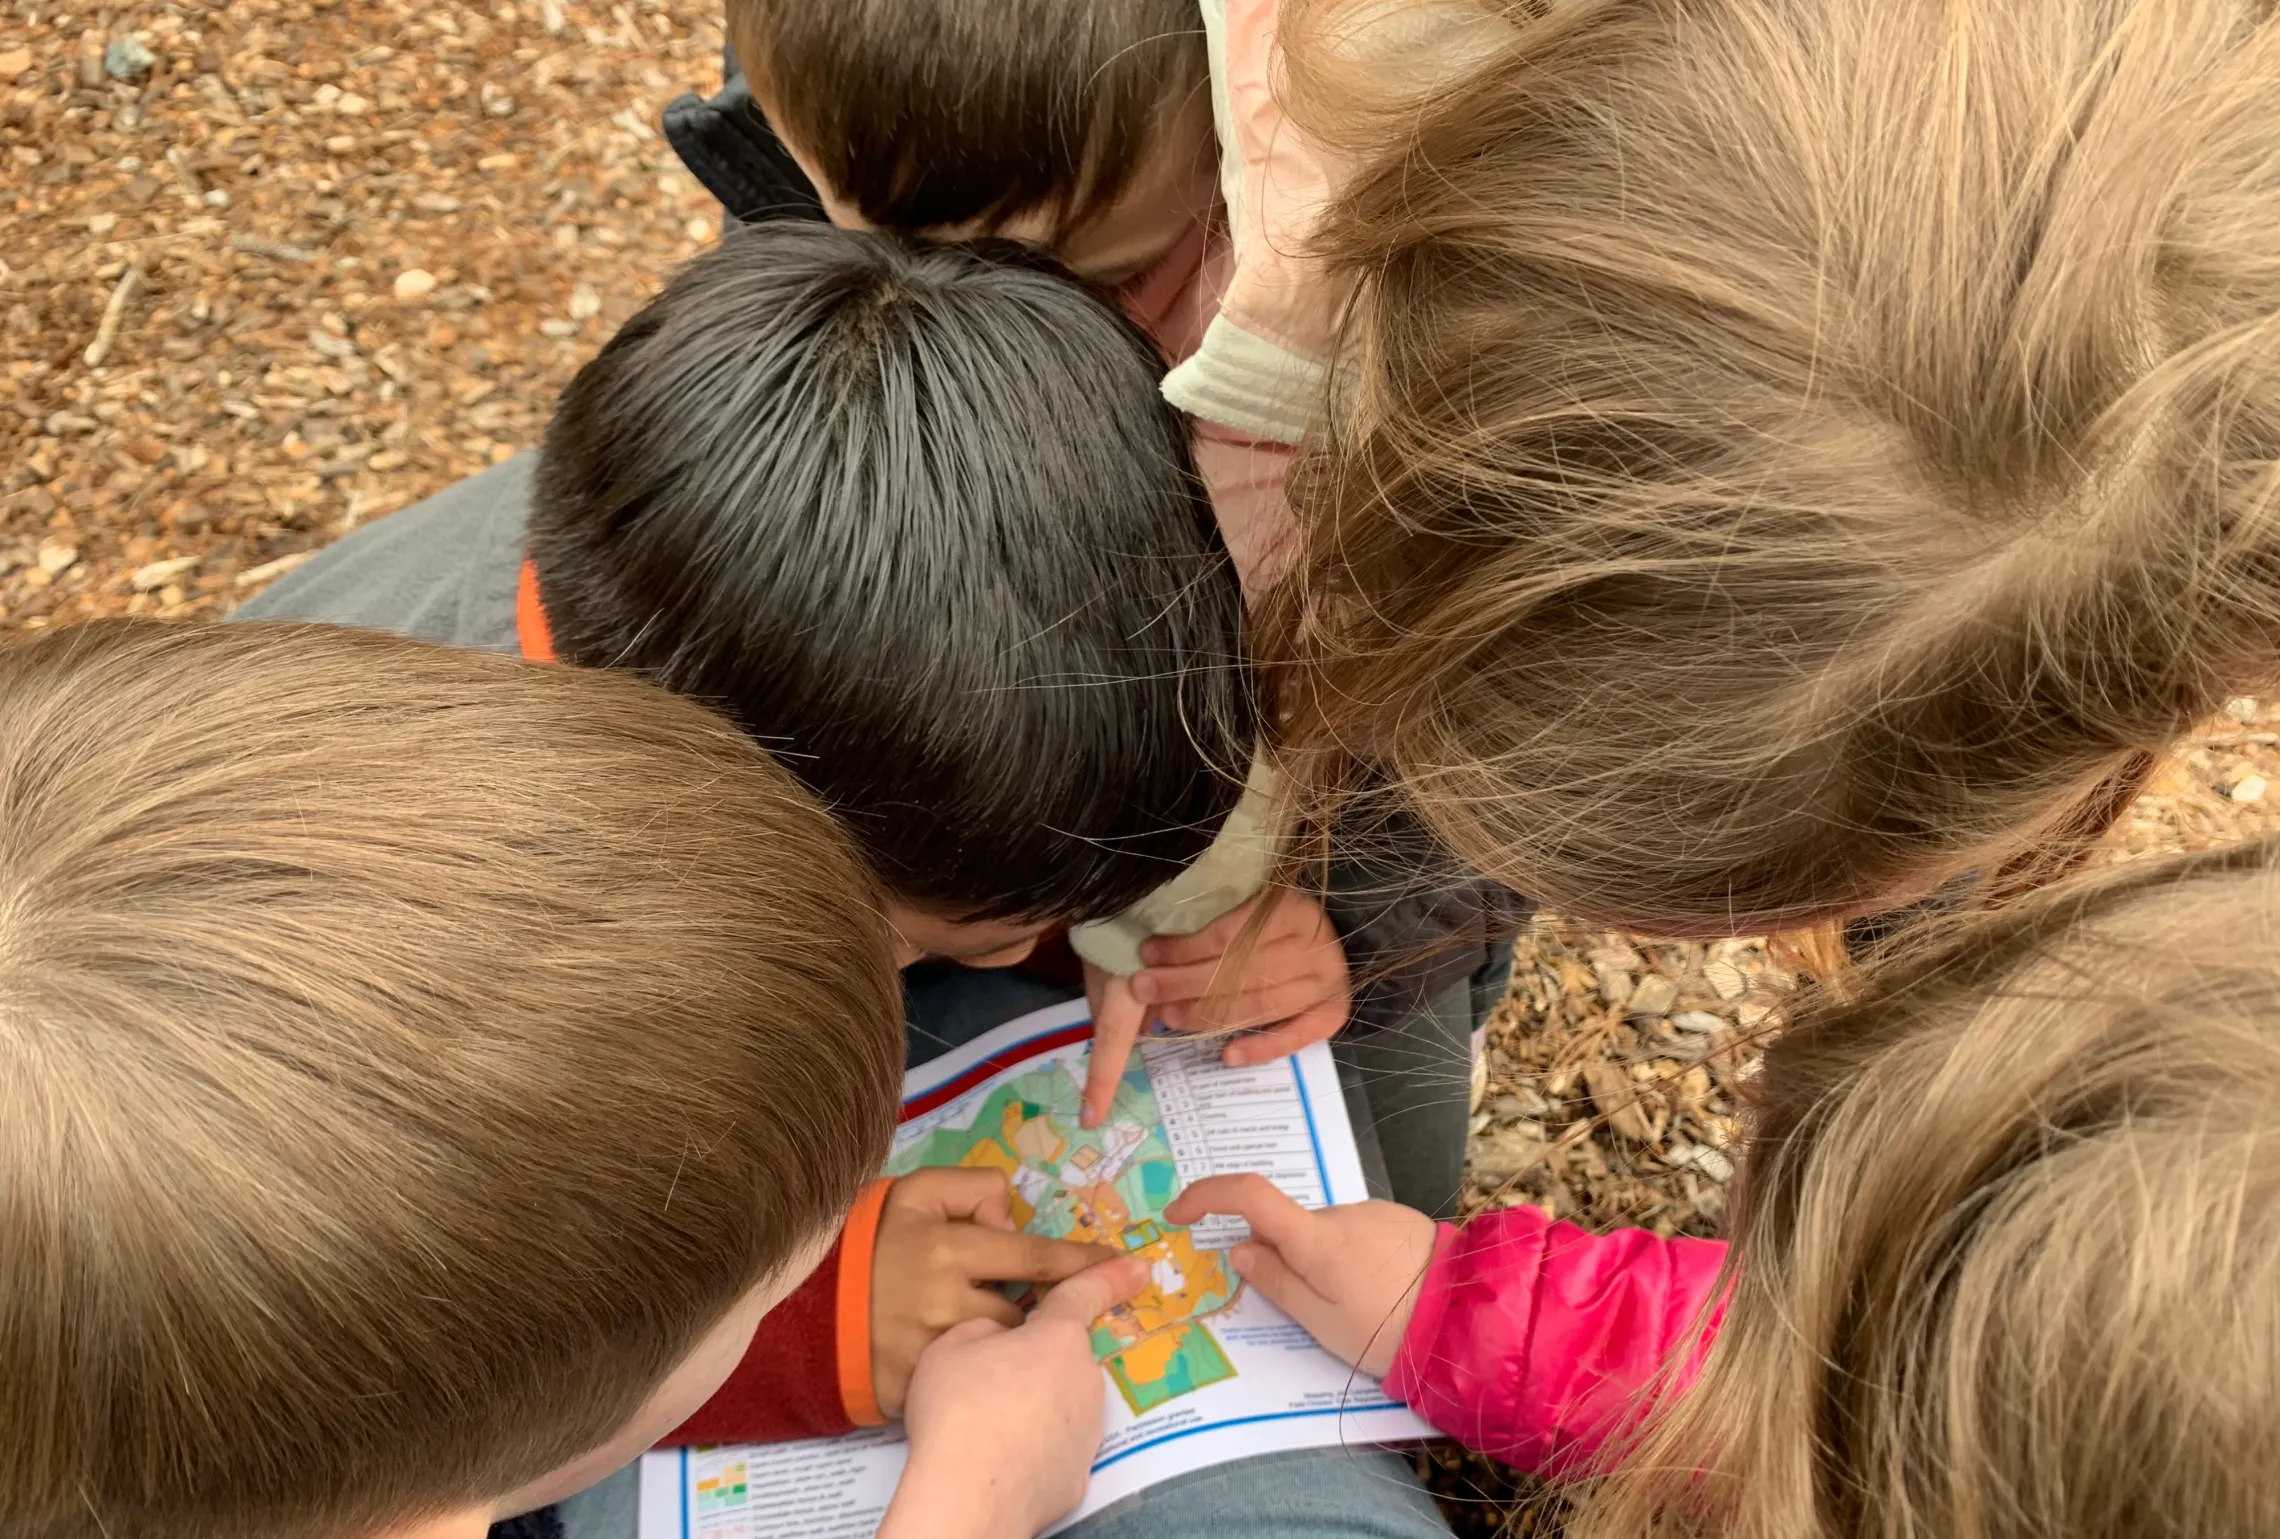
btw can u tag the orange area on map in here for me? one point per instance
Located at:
(1156, 1313)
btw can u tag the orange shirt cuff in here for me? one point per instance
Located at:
(857, 1241)
(533, 635)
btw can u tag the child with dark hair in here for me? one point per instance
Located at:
(1141, 144)
(916, 519)
(1085, 130)
(912, 516)
(808, 483)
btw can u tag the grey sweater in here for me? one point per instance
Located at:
(442, 570)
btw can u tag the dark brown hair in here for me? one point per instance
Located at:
(1787, 453)
(2006, 1263)
(807, 484)
(925, 113)
(405, 1056)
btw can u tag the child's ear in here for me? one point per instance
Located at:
(467, 1523)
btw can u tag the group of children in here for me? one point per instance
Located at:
(1220, 509)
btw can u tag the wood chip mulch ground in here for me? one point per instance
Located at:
(273, 268)
(269, 270)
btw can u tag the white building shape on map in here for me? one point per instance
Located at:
(1168, 1277)
(1119, 1141)
(1034, 1185)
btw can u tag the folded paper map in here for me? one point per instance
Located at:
(1200, 1369)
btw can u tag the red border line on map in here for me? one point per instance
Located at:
(949, 1090)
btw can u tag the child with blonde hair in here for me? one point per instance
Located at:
(2006, 1259)
(419, 1073)
(1785, 455)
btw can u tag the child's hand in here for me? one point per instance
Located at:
(1004, 1423)
(1349, 1275)
(1296, 976)
(1118, 1020)
(944, 1237)
(1296, 984)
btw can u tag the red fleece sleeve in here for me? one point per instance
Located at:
(787, 1386)
(807, 1372)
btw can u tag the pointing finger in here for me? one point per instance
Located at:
(1087, 1296)
(1273, 1217)
(1116, 1022)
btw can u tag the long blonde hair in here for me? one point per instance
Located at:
(2007, 1257)
(1785, 453)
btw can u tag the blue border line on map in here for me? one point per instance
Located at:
(1242, 1421)
(1306, 1105)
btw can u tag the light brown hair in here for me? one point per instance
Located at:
(405, 1056)
(2006, 1263)
(1787, 453)
(931, 112)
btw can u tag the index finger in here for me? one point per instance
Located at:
(1087, 1296)
(1116, 1024)
(985, 1255)
(1272, 1215)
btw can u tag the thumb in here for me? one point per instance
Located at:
(1263, 1267)
(1090, 1294)
(1117, 1019)
(974, 1328)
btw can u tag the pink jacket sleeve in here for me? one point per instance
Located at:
(1532, 1340)
(1245, 479)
